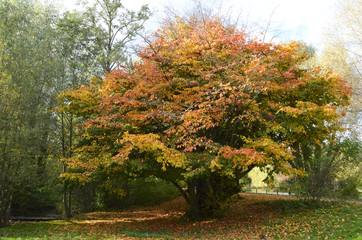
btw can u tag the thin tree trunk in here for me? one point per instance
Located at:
(66, 190)
(6, 200)
(6, 195)
(70, 155)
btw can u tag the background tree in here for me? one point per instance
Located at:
(205, 104)
(42, 54)
(114, 27)
(336, 163)
(9, 141)
(27, 96)
(76, 53)
(342, 53)
(91, 44)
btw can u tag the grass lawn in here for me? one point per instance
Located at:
(252, 217)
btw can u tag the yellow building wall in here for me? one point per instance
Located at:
(257, 178)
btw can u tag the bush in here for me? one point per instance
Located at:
(139, 192)
(348, 188)
(332, 170)
(120, 193)
(36, 197)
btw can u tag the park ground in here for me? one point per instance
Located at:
(250, 216)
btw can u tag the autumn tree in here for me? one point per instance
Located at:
(203, 106)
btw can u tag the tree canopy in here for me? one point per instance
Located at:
(204, 105)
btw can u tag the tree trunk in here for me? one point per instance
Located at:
(5, 206)
(67, 202)
(208, 195)
(67, 194)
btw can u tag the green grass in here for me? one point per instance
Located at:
(253, 217)
(330, 221)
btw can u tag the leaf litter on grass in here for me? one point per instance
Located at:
(253, 217)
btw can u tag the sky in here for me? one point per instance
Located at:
(299, 20)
